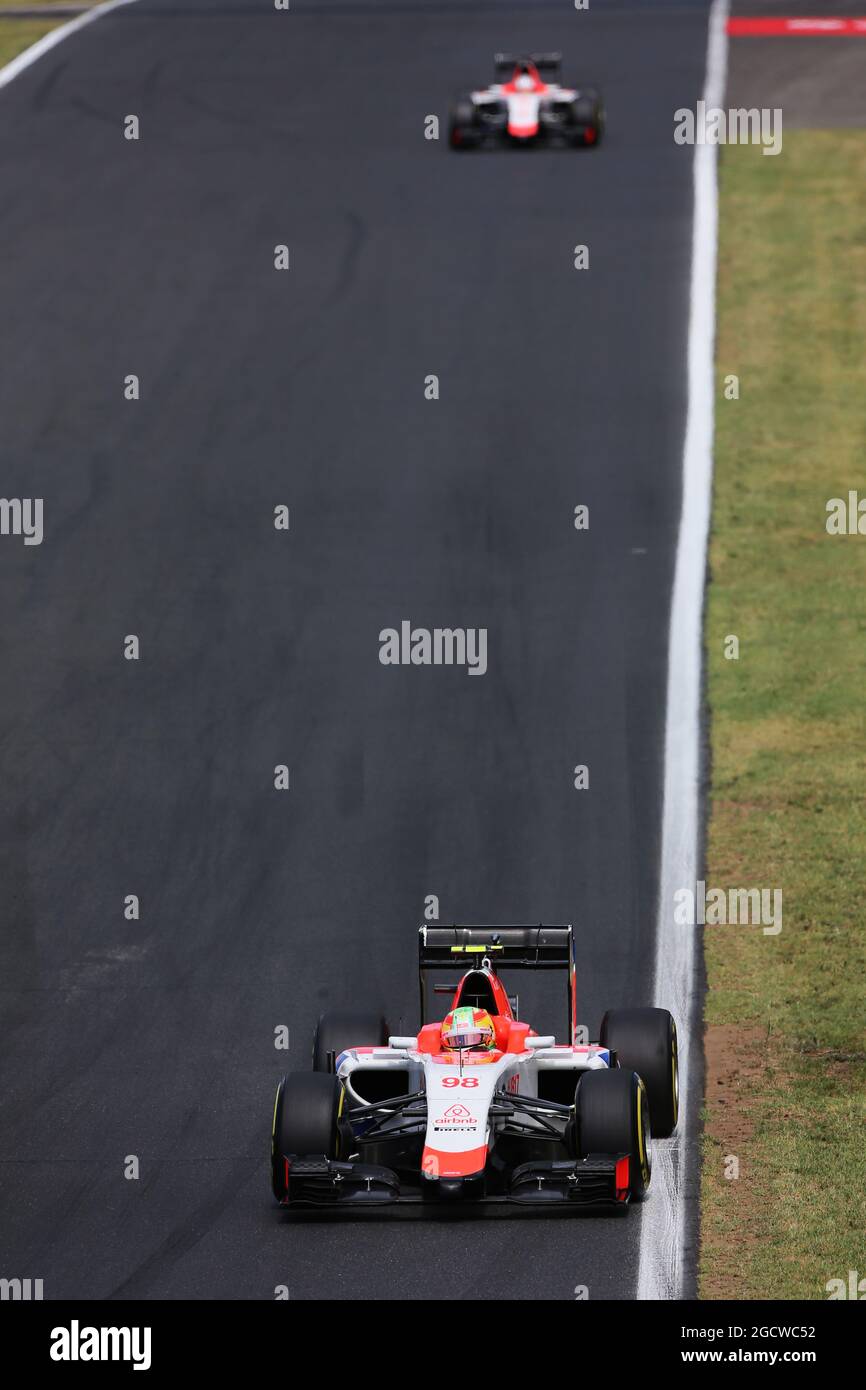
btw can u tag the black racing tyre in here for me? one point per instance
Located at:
(612, 1116)
(645, 1041)
(307, 1120)
(587, 119)
(593, 134)
(344, 1028)
(463, 130)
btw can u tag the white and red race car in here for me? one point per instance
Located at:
(385, 1119)
(526, 105)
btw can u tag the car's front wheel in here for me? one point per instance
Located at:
(611, 1116)
(463, 130)
(308, 1121)
(587, 120)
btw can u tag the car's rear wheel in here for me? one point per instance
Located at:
(611, 1116)
(308, 1120)
(343, 1028)
(645, 1041)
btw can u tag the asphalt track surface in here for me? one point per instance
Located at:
(258, 907)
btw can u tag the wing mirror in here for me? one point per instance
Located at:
(533, 1043)
(399, 1041)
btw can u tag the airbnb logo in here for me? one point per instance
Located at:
(458, 1114)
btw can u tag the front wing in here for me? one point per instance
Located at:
(598, 1180)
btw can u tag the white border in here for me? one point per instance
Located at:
(32, 54)
(663, 1225)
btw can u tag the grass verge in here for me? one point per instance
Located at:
(18, 34)
(41, 4)
(785, 1041)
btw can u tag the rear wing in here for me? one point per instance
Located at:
(538, 947)
(548, 64)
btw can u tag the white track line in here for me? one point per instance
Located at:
(663, 1226)
(48, 41)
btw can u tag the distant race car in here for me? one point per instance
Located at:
(526, 105)
(477, 1108)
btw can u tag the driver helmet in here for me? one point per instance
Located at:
(468, 1028)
